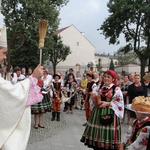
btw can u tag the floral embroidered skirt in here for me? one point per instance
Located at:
(43, 106)
(100, 136)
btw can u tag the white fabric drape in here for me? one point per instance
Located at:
(15, 117)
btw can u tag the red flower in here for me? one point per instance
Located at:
(144, 130)
(120, 108)
(106, 117)
(117, 89)
(109, 95)
(114, 102)
(40, 83)
(144, 142)
(117, 99)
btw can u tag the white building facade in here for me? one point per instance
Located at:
(129, 68)
(82, 51)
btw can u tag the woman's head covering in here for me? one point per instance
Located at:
(90, 74)
(56, 75)
(113, 74)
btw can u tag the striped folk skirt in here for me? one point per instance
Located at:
(43, 106)
(99, 136)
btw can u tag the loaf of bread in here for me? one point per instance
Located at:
(141, 103)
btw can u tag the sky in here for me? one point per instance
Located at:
(87, 16)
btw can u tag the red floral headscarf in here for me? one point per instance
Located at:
(113, 73)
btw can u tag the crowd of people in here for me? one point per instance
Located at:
(107, 112)
(102, 96)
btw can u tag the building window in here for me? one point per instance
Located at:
(99, 62)
(116, 63)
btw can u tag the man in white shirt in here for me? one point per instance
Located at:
(17, 76)
(20, 76)
(48, 76)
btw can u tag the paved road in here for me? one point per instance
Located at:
(63, 135)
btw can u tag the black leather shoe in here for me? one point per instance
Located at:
(35, 127)
(41, 126)
(52, 119)
(58, 119)
(84, 124)
(76, 108)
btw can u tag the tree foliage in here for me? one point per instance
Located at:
(112, 67)
(21, 16)
(126, 58)
(58, 51)
(132, 19)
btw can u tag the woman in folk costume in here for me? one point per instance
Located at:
(88, 92)
(15, 100)
(100, 82)
(103, 130)
(70, 85)
(42, 107)
(56, 99)
(95, 88)
(82, 91)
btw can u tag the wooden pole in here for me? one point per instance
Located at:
(40, 56)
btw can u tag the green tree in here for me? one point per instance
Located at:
(132, 19)
(112, 67)
(98, 67)
(58, 51)
(124, 59)
(21, 16)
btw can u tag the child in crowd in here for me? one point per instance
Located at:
(138, 134)
(56, 98)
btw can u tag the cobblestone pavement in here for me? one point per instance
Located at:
(63, 135)
(51, 128)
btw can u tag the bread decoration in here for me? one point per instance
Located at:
(141, 103)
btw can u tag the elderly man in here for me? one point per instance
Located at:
(15, 101)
